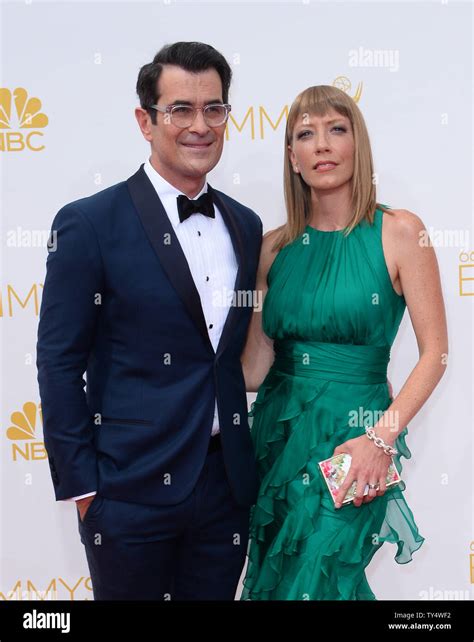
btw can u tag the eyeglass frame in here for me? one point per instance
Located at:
(168, 109)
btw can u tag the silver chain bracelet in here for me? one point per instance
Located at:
(379, 442)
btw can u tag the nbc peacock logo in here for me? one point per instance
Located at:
(20, 119)
(22, 433)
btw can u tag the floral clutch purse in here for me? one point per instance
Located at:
(335, 469)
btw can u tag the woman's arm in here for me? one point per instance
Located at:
(258, 354)
(418, 275)
(413, 266)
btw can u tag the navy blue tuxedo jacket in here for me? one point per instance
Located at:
(120, 305)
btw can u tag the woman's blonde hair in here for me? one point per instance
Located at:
(319, 100)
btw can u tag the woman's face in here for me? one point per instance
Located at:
(317, 140)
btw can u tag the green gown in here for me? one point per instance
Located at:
(333, 315)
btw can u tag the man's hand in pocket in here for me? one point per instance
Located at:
(83, 505)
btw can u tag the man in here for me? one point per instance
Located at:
(157, 452)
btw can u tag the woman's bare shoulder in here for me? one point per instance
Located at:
(268, 253)
(403, 224)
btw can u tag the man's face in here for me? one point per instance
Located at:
(184, 155)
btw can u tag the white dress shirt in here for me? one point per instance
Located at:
(208, 249)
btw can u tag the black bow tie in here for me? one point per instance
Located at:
(202, 205)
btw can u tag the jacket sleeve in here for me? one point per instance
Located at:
(68, 317)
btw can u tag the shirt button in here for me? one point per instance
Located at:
(210, 325)
(207, 278)
(199, 233)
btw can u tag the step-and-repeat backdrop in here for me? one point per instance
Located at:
(67, 130)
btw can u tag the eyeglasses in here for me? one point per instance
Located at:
(183, 115)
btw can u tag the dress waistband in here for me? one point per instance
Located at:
(332, 361)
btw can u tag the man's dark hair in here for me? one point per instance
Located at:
(191, 56)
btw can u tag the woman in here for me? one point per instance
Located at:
(336, 279)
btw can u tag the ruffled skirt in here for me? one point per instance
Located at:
(301, 547)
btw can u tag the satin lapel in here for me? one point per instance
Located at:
(161, 234)
(232, 221)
